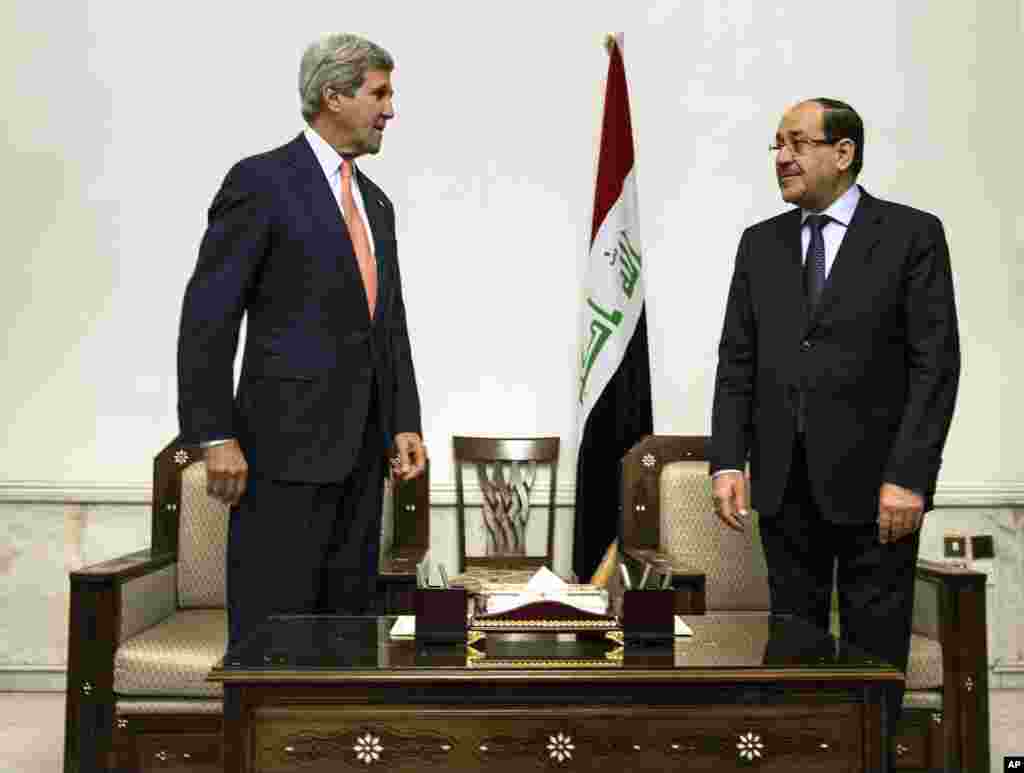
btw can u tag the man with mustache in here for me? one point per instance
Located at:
(303, 243)
(837, 376)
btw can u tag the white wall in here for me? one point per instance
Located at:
(122, 118)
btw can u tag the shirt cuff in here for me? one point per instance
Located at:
(722, 472)
(212, 443)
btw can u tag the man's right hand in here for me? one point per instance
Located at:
(729, 491)
(226, 472)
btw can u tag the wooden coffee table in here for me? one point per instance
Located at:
(744, 692)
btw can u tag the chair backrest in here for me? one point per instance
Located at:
(509, 473)
(193, 525)
(667, 506)
(189, 522)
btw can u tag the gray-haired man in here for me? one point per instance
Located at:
(303, 243)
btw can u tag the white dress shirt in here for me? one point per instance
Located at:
(841, 211)
(330, 161)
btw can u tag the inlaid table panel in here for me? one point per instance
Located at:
(558, 738)
(328, 694)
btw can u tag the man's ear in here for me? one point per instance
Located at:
(846, 149)
(330, 99)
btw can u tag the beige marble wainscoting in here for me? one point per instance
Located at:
(39, 544)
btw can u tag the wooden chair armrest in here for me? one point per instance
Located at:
(120, 570)
(949, 605)
(96, 624)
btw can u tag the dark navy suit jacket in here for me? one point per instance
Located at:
(879, 361)
(277, 250)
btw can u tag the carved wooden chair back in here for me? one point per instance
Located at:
(510, 475)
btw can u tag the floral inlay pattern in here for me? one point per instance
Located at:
(750, 746)
(368, 748)
(648, 460)
(561, 747)
(181, 456)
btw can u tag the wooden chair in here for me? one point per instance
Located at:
(667, 519)
(510, 473)
(145, 628)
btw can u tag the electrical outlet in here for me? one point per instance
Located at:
(955, 546)
(982, 546)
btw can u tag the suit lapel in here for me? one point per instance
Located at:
(790, 280)
(322, 204)
(863, 233)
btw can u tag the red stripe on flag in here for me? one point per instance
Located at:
(616, 155)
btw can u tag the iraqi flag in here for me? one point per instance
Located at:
(614, 389)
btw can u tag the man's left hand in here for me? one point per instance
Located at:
(411, 456)
(900, 512)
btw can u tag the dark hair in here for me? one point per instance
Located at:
(842, 122)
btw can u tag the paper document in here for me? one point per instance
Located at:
(405, 627)
(545, 581)
(682, 629)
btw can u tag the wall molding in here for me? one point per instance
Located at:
(33, 678)
(982, 494)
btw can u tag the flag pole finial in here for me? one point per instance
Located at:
(609, 43)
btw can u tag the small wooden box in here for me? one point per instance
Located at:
(440, 614)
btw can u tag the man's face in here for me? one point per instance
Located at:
(361, 119)
(810, 175)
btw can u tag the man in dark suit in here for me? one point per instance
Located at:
(838, 369)
(303, 243)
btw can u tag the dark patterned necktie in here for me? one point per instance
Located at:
(814, 264)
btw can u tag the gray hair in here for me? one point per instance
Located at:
(341, 62)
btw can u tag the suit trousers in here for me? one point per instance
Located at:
(874, 582)
(307, 548)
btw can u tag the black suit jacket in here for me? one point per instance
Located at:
(277, 250)
(879, 361)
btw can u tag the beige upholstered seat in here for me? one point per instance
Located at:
(174, 656)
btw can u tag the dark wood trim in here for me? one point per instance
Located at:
(167, 468)
(118, 571)
(410, 501)
(92, 640)
(973, 677)
(640, 501)
(494, 449)
(184, 742)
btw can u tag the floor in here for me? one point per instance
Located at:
(32, 730)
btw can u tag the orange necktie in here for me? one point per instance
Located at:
(360, 239)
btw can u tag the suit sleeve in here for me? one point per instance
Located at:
(230, 255)
(732, 410)
(933, 364)
(406, 394)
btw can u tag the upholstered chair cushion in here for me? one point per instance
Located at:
(202, 544)
(737, 577)
(173, 657)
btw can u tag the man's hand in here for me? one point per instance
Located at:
(732, 503)
(900, 512)
(412, 456)
(226, 472)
